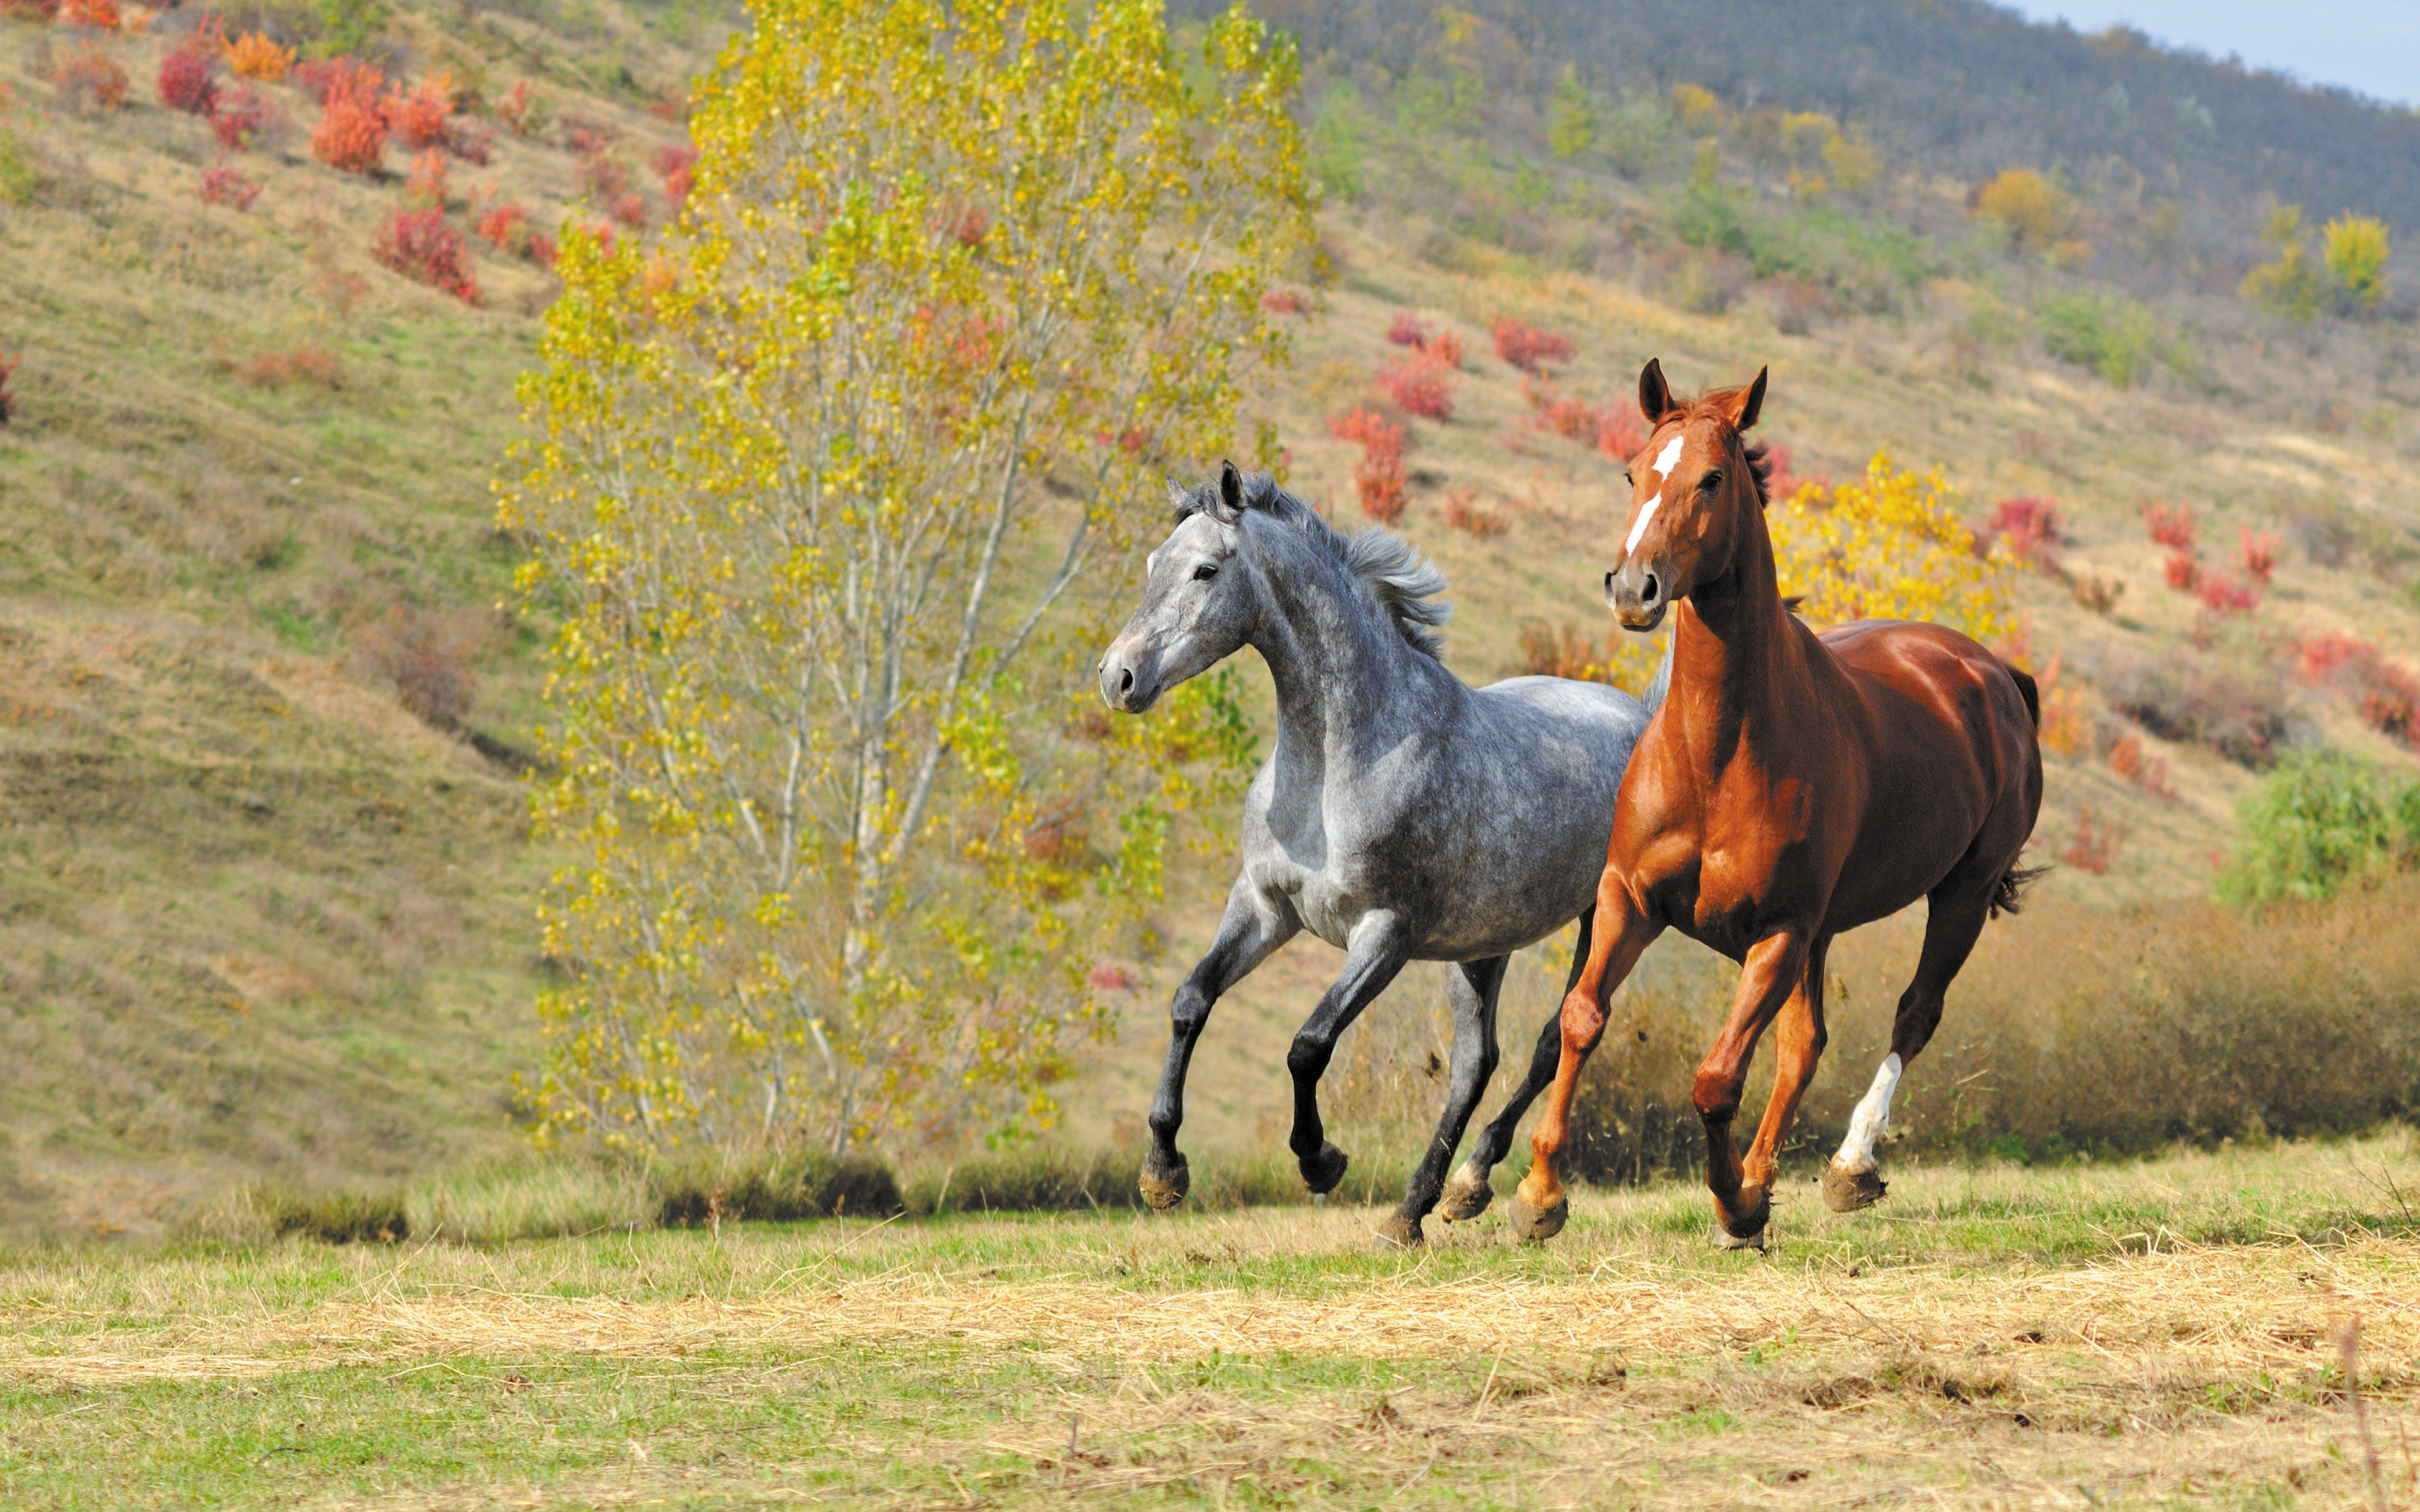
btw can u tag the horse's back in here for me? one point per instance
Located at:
(1953, 747)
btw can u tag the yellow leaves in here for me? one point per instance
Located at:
(948, 279)
(2035, 212)
(1890, 545)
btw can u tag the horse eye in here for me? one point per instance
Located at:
(1628, 479)
(1204, 572)
(1712, 481)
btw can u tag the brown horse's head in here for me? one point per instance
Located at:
(1694, 489)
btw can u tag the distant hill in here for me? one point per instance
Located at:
(1968, 88)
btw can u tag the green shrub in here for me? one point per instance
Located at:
(1870, 264)
(2321, 820)
(16, 174)
(2109, 333)
(346, 1216)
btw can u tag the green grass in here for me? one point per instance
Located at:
(2155, 1334)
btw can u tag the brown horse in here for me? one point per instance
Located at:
(1793, 785)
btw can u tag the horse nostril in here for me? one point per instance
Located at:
(1125, 681)
(1608, 582)
(1650, 595)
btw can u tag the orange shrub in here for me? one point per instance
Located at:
(425, 188)
(520, 110)
(506, 227)
(2150, 773)
(630, 210)
(419, 115)
(307, 363)
(1462, 513)
(100, 15)
(2094, 845)
(422, 247)
(255, 57)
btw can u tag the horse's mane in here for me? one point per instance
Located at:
(1406, 585)
(1717, 404)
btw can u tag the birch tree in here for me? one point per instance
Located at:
(833, 493)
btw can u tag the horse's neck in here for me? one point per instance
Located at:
(1738, 665)
(1340, 664)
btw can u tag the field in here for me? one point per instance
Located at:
(2162, 1333)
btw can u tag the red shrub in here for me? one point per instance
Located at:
(2029, 525)
(677, 167)
(422, 247)
(1378, 477)
(34, 10)
(2094, 845)
(1407, 331)
(1618, 432)
(2385, 692)
(1527, 348)
(2171, 526)
(2224, 595)
(1780, 482)
(1421, 384)
(222, 185)
(472, 146)
(631, 211)
(541, 249)
(89, 78)
(2258, 551)
(185, 81)
(2182, 572)
(1276, 301)
(99, 15)
(1463, 513)
(603, 178)
(1446, 349)
(8, 361)
(245, 119)
(506, 227)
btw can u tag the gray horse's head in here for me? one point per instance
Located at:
(1204, 591)
(1198, 602)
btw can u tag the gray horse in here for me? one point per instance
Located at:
(1402, 816)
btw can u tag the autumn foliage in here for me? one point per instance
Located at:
(2385, 692)
(1528, 348)
(185, 81)
(88, 78)
(1378, 477)
(255, 57)
(1421, 383)
(351, 133)
(1890, 545)
(677, 165)
(224, 186)
(422, 247)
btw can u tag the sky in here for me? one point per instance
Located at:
(2370, 46)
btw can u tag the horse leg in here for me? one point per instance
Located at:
(1797, 1045)
(1851, 1182)
(1377, 950)
(1473, 987)
(1467, 1194)
(1775, 968)
(1252, 927)
(1540, 1204)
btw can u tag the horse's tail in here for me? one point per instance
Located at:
(2032, 695)
(1654, 697)
(2009, 897)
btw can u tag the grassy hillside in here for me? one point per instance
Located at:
(265, 895)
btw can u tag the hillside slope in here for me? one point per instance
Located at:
(258, 916)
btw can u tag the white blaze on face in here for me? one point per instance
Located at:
(1662, 467)
(1872, 1118)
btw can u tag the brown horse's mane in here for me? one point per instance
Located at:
(1716, 403)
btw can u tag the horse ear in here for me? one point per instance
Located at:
(1178, 494)
(1654, 394)
(1745, 408)
(1228, 507)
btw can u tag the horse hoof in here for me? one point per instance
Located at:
(1321, 1172)
(1466, 1195)
(1538, 1225)
(1744, 1227)
(1164, 1185)
(1846, 1191)
(1398, 1234)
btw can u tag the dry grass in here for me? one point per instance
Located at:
(1970, 1343)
